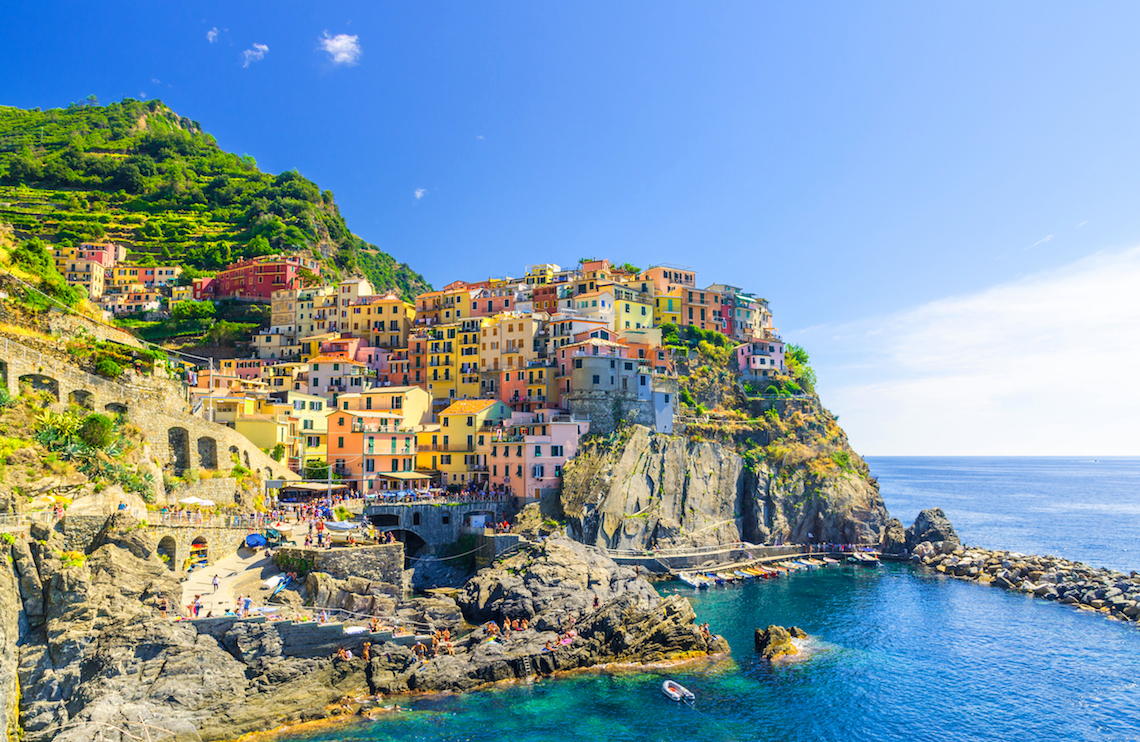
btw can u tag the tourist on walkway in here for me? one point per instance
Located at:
(196, 605)
(216, 582)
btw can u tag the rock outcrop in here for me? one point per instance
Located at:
(933, 526)
(671, 491)
(776, 641)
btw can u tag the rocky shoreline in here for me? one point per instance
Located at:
(95, 660)
(1114, 594)
(933, 543)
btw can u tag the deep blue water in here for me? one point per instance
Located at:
(898, 654)
(1079, 508)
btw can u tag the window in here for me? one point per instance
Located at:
(470, 421)
(538, 452)
(628, 366)
(306, 425)
(415, 519)
(340, 421)
(340, 442)
(445, 421)
(446, 518)
(370, 465)
(445, 459)
(597, 379)
(556, 450)
(557, 471)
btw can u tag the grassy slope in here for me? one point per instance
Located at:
(138, 174)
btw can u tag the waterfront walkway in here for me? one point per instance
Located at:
(230, 571)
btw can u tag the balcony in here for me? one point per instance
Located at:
(448, 447)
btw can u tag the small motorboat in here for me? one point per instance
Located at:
(676, 692)
(695, 581)
(830, 562)
(714, 577)
(740, 573)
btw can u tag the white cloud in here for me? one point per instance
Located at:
(342, 48)
(1040, 366)
(420, 193)
(256, 54)
(212, 35)
(155, 80)
(478, 136)
(1041, 241)
(1086, 221)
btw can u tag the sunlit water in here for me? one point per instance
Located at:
(896, 654)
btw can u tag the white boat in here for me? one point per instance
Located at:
(693, 580)
(676, 691)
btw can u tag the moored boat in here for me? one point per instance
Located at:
(695, 581)
(675, 691)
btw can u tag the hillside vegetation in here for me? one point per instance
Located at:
(141, 175)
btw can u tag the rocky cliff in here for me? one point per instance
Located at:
(647, 489)
(94, 659)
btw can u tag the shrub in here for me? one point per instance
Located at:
(107, 367)
(97, 430)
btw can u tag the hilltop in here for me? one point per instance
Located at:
(138, 174)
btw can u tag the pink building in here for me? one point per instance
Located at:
(760, 358)
(489, 302)
(528, 454)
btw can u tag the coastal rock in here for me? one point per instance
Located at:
(668, 491)
(894, 537)
(774, 641)
(934, 527)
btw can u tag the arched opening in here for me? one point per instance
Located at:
(82, 398)
(235, 457)
(41, 383)
(115, 408)
(417, 519)
(413, 543)
(179, 441)
(385, 520)
(207, 453)
(168, 551)
(199, 555)
(246, 454)
(4, 374)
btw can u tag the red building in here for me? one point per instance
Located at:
(256, 279)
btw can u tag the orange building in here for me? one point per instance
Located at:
(371, 450)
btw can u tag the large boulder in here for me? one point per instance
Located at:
(894, 537)
(775, 641)
(932, 525)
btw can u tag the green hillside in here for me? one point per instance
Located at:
(139, 174)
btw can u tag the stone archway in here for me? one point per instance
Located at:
(246, 454)
(3, 374)
(179, 442)
(82, 398)
(235, 456)
(41, 383)
(207, 452)
(168, 551)
(116, 408)
(199, 553)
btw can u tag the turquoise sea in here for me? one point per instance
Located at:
(897, 654)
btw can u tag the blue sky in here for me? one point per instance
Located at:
(852, 162)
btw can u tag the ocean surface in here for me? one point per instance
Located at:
(895, 654)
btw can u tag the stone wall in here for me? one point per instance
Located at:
(380, 563)
(158, 406)
(175, 540)
(436, 524)
(607, 409)
(223, 490)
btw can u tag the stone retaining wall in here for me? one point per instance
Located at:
(380, 563)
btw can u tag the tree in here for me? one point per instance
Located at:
(97, 431)
(188, 310)
(92, 100)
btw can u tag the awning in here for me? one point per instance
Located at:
(405, 475)
(314, 486)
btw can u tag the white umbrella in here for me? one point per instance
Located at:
(191, 501)
(207, 503)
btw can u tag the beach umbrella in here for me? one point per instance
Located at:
(207, 503)
(190, 501)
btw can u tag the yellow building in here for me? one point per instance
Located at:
(447, 305)
(410, 401)
(267, 431)
(456, 442)
(384, 321)
(633, 310)
(507, 340)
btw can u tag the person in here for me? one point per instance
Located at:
(163, 606)
(548, 648)
(365, 651)
(216, 582)
(596, 601)
(324, 617)
(246, 604)
(196, 605)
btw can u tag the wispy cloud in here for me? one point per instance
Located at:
(342, 48)
(1041, 241)
(1086, 221)
(155, 80)
(420, 193)
(212, 35)
(1005, 371)
(256, 54)
(478, 136)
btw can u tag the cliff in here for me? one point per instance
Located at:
(650, 489)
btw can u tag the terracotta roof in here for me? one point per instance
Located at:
(468, 406)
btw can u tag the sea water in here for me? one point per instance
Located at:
(896, 653)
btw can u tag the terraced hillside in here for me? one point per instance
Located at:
(139, 174)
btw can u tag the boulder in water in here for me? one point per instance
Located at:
(932, 525)
(775, 641)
